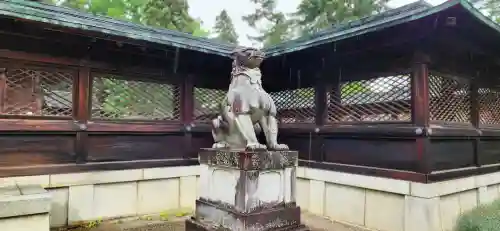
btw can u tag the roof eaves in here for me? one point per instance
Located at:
(74, 19)
(476, 13)
(360, 29)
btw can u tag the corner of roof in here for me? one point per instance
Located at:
(477, 14)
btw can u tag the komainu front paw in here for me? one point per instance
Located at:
(220, 145)
(278, 147)
(255, 147)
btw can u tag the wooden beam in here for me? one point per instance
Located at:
(134, 127)
(37, 125)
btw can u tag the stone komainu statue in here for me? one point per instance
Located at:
(247, 108)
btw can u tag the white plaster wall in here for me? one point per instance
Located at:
(392, 205)
(80, 197)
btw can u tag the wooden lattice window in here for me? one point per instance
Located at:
(379, 99)
(489, 106)
(36, 91)
(120, 97)
(449, 99)
(207, 103)
(295, 106)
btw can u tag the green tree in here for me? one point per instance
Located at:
(490, 8)
(277, 27)
(224, 28)
(170, 14)
(314, 15)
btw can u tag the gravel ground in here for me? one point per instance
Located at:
(177, 224)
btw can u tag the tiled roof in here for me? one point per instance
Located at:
(71, 18)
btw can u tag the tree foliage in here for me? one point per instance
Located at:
(170, 14)
(224, 28)
(314, 15)
(490, 8)
(277, 27)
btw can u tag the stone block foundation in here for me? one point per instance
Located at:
(392, 205)
(24, 208)
(372, 202)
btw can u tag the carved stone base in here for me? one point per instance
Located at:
(247, 191)
(219, 216)
(193, 225)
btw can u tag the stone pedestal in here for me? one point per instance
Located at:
(243, 191)
(24, 208)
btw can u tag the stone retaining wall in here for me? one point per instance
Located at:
(392, 205)
(373, 202)
(78, 197)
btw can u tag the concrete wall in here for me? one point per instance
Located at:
(392, 205)
(373, 202)
(78, 197)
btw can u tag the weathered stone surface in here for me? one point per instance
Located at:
(31, 189)
(384, 211)
(25, 180)
(20, 205)
(88, 178)
(155, 196)
(187, 188)
(246, 108)
(38, 222)
(170, 172)
(115, 200)
(420, 214)
(345, 203)
(317, 195)
(247, 190)
(11, 190)
(80, 203)
(249, 160)
(449, 207)
(59, 207)
(213, 214)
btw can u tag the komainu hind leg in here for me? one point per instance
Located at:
(218, 133)
(270, 127)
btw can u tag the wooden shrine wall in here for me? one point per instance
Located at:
(57, 115)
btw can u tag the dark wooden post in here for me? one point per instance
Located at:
(335, 88)
(475, 117)
(420, 108)
(321, 89)
(3, 88)
(82, 115)
(321, 100)
(187, 106)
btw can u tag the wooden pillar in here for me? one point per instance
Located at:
(335, 88)
(420, 109)
(321, 99)
(187, 106)
(474, 116)
(3, 88)
(81, 106)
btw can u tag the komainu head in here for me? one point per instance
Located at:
(247, 57)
